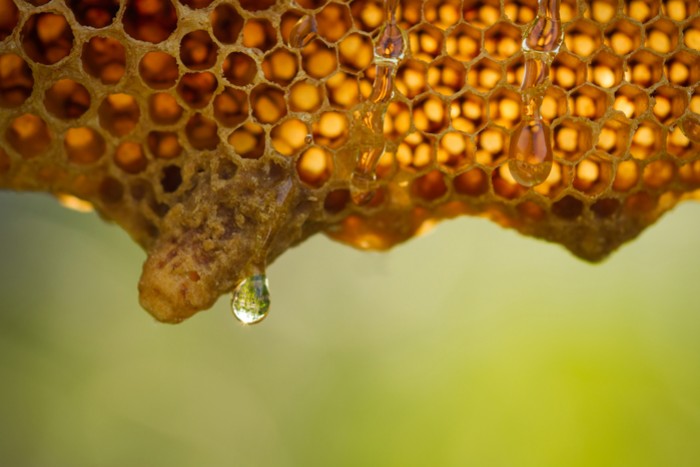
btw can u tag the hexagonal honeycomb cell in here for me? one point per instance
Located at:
(219, 133)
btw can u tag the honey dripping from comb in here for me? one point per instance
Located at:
(388, 50)
(530, 154)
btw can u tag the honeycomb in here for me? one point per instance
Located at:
(219, 133)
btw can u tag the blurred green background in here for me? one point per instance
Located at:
(470, 346)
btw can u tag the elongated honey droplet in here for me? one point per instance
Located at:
(545, 32)
(389, 49)
(303, 32)
(250, 302)
(530, 152)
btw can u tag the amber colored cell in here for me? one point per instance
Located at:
(691, 35)
(119, 114)
(164, 144)
(129, 157)
(426, 42)
(280, 66)
(473, 182)
(226, 23)
(333, 21)
(111, 190)
(259, 33)
(572, 139)
(491, 146)
(583, 38)
(416, 151)
(593, 175)
(47, 38)
(658, 174)
(94, 13)
(315, 166)
(614, 136)
(484, 75)
(603, 11)
(367, 14)
(464, 43)
(430, 115)
(197, 89)
(502, 40)
(268, 104)
(468, 112)
(196, 4)
(16, 80)
(319, 60)
(164, 109)
(641, 10)
(623, 37)
(662, 36)
(446, 76)
(29, 135)
(589, 101)
(240, 69)
(159, 70)
(305, 97)
(631, 101)
(682, 68)
(83, 145)
(105, 59)
(150, 20)
(67, 99)
(231, 107)
(606, 207)
(430, 186)
(5, 162)
(202, 132)
(336, 201)
(248, 141)
(669, 104)
(411, 78)
(504, 107)
(356, 52)
(9, 17)
(171, 178)
(331, 130)
(568, 71)
(568, 208)
(644, 68)
(442, 13)
(647, 141)
(455, 150)
(626, 176)
(606, 70)
(198, 51)
(343, 90)
(290, 136)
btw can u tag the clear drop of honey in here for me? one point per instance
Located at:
(250, 302)
(303, 32)
(530, 152)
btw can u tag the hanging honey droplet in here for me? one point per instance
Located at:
(530, 152)
(250, 302)
(303, 32)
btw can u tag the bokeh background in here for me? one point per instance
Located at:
(469, 346)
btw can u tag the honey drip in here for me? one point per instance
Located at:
(388, 50)
(303, 32)
(530, 153)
